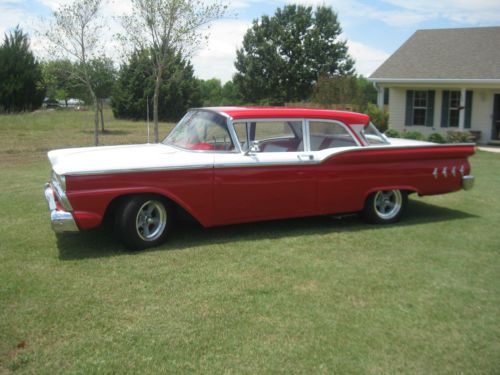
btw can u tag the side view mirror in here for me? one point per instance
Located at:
(254, 147)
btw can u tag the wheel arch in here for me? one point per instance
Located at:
(407, 189)
(178, 204)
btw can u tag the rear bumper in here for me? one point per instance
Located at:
(468, 182)
(62, 221)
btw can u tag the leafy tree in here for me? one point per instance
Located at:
(165, 27)
(136, 82)
(230, 94)
(343, 90)
(21, 86)
(60, 82)
(283, 56)
(213, 93)
(103, 77)
(366, 93)
(75, 32)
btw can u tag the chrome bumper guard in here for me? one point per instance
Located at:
(62, 221)
(467, 182)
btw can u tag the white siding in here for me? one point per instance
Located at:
(482, 111)
(397, 108)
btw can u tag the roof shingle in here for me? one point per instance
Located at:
(465, 53)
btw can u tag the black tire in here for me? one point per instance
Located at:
(385, 206)
(143, 221)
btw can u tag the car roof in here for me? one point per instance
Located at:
(238, 113)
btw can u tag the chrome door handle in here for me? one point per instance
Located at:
(306, 157)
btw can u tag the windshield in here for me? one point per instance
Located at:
(372, 136)
(202, 131)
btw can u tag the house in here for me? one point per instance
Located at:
(444, 79)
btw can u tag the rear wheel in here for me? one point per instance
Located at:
(143, 221)
(385, 206)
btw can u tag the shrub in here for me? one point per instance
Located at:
(413, 135)
(454, 136)
(436, 138)
(392, 133)
(379, 117)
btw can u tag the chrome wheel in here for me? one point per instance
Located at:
(387, 204)
(151, 220)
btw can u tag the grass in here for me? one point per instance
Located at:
(316, 295)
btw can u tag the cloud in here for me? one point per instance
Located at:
(216, 59)
(412, 13)
(367, 58)
(10, 17)
(475, 12)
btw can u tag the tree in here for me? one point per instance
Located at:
(339, 89)
(60, 81)
(343, 90)
(102, 76)
(135, 85)
(283, 56)
(211, 92)
(75, 33)
(167, 27)
(21, 86)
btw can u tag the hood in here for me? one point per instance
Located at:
(129, 158)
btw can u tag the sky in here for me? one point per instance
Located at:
(373, 29)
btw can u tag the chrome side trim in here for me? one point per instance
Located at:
(299, 162)
(142, 169)
(468, 182)
(61, 221)
(333, 153)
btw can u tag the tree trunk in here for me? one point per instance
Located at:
(101, 104)
(96, 125)
(96, 117)
(155, 102)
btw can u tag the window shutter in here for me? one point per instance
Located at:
(409, 108)
(445, 109)
(468, 109)
(429, 120)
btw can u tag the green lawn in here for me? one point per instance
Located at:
(316, 295)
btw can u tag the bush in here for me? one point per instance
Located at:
(436, 138)
(392, 133)
(459, 137)
(379, 117)
(413, 135)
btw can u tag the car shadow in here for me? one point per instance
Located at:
(101, 242)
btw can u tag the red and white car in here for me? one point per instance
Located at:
(243, 164)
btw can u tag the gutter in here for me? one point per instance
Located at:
(492, 82)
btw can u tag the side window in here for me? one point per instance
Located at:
(271, 136)
(329, 135)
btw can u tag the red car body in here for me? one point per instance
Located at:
(225, 187)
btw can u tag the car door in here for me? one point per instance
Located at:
(271, 178)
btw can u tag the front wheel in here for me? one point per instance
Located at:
(385, 206)
(143, 221)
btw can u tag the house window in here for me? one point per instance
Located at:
(450, 111)
(419, 107)
(454, 109)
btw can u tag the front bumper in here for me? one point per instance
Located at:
(468, 182)
(62, 221)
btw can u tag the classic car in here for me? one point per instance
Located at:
(229, 165)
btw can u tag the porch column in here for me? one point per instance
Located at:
(380, 97)
(461, 113)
